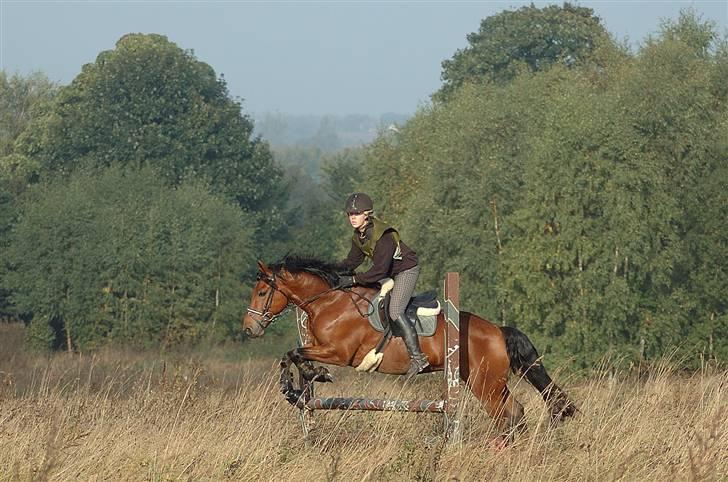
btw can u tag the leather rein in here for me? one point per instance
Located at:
(266, 317)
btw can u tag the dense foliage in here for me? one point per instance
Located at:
(528, 39)
(119, 255)
(21, 100)
(148, 102)
(138, 196)
(577, 187)
(583, 205)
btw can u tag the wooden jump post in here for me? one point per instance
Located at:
(448, 405)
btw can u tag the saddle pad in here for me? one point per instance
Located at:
(424, 326)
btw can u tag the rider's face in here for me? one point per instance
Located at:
(357, 220)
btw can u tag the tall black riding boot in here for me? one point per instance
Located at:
(418, 359)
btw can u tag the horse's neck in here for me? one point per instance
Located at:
(331, 304)
(305, 291)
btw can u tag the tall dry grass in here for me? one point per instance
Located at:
(127, 416)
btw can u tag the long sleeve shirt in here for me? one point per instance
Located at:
(384, 265)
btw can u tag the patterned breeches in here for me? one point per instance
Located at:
(404, 286)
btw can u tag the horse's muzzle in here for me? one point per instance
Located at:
(254, 330)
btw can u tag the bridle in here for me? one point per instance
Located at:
(266, 317)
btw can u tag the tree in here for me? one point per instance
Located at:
(530, 39)
(679, 104)
(314, 216)
(596, 224)
(119, 255)
(148, 102)
(452, 175)
(21, 100)
(342, 176)
(582, 203)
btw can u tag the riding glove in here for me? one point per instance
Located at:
(346, 281)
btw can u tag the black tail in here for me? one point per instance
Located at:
(524, 359)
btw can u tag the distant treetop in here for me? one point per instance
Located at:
(528, 38)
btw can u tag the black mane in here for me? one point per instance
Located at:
(327, 271)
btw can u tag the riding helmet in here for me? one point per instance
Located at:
(358, 203)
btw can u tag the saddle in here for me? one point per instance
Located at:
(421, 311)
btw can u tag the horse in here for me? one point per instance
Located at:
(342, 336)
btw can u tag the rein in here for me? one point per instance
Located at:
(368, 313)
(266, 317)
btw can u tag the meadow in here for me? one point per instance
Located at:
(216, 414)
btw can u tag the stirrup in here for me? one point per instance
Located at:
(417, 363)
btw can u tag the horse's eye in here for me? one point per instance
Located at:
(261, 293)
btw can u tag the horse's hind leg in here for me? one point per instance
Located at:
(514, 421)
(489, 386)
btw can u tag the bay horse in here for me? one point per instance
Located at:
(342, 336)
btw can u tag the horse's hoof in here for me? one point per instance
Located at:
(292, 396)
(323, 375)
(499, 444)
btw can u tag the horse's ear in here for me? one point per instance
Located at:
(263, 268)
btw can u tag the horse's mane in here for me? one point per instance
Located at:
(327, 271)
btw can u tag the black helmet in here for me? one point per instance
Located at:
(358, 203)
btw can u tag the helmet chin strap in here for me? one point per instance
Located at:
(363, 228)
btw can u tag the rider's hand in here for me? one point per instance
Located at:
(346, 281)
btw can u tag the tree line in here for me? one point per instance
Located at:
(578, 187)
(133, 201)
(580, 192)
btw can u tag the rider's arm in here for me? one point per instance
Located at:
(354, 259)
(382, 260)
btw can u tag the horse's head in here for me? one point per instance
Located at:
(296, 280)
(266, 302)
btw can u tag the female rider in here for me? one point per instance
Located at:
(391, 258)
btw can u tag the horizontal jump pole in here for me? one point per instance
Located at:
(373, 404)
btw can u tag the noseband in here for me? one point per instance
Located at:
(266, 317)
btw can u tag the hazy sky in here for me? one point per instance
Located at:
(367, 57)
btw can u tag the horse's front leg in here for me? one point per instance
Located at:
(286, 381)
(302, 358)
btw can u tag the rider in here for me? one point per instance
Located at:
(391, 258)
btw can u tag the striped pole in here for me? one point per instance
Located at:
(452, 357)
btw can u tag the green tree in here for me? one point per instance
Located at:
(678, 103)
(582, 204)
(451, 176)
(530, 39)
(21, 100)
(314, 216)
(306, 158)
(148, 102)
(119, 255)
(596, 226)
(342, 176)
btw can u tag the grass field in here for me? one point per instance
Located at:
(123, 415)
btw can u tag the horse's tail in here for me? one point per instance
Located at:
(524, 359)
